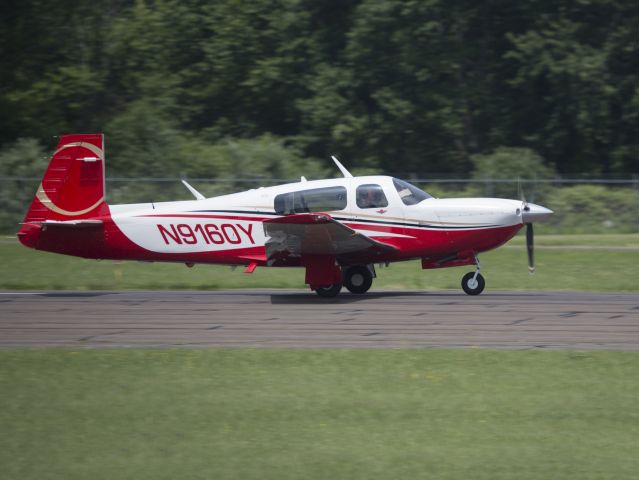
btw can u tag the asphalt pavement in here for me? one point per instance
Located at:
(300, 319)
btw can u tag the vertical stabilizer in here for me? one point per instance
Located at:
(73, 185)
(71, 194)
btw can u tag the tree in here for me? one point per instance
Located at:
(512, 173)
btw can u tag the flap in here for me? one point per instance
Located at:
(319, 234)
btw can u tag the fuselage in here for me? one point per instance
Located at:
(337, 229)
(228, 229)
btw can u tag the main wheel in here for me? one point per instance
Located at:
(329, 291)
(473, 287)
(358, 279)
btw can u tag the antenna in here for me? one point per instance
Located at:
(341, 167)
(195, 193)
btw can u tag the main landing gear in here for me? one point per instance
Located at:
(329, 291)
(357, 279)
(473, 283)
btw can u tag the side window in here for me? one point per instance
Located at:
(371, 196)
(315, 200)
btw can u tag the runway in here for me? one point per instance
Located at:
(300, 319)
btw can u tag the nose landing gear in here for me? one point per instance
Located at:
(473, 283)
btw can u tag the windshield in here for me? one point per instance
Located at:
(410, 194)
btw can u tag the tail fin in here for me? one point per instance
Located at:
(73, 185)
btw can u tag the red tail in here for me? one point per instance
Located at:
(72, 190)
(73, 185)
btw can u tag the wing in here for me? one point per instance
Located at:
(294, 236)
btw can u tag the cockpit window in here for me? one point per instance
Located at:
(410, 194)
(371, 196)
(314, 200)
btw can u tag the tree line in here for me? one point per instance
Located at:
(191, 87)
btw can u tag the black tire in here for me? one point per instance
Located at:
(329, 291)
(476, 289)
(358, 279)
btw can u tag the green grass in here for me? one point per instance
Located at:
(625, 240)
(597, 269)
(318, 414)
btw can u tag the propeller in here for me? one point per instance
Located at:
(531, 213)
(530, 247)
(530, 233)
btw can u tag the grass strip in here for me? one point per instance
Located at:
(579, 269)
(317, 414)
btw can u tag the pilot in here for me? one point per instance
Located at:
(370, 198)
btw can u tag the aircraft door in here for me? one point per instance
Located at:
(377, 206)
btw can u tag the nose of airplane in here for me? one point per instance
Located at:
(533, 213)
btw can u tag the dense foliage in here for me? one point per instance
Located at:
(406, 86)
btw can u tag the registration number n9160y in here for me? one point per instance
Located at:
(208, 233)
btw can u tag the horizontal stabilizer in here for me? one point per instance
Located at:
(70, 223)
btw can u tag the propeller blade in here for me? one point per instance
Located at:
(530, 247)
(521, 193)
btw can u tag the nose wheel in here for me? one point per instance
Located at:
(473, 283)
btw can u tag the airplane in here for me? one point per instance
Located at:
(336, 229)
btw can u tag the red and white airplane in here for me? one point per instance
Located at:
(336, 229)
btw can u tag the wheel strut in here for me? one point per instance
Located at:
(472, 283)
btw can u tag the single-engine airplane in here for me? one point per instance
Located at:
(336, 229)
